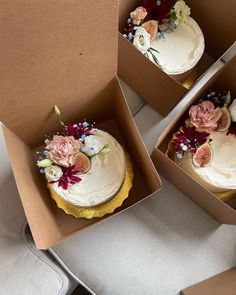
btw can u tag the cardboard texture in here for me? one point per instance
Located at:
(221, 284)
(223, 212)
(216, 20)
(62, 53)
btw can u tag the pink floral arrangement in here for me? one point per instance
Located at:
(69, 154)
(214, 112)
(204, 116)
(154, 19)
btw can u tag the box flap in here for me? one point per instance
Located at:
(223, 283)
(54, 52)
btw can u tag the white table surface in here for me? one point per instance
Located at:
(23, 269)
(160, 246)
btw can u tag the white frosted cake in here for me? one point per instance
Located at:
(181, 49)
(221, 173)
(166, 35)
(84, 166)
(104, 178)
(205, 147)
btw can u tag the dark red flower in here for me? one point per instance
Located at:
(155, 11)
(232, 129)
(68, 177)
(78, 130)
(187, 139)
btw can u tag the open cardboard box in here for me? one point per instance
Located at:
(161, 91)
(221, 284)
(62, 53)
(224, 79)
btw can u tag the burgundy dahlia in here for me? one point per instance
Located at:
(157, 9)
(78, 130)
(187, 139)
(68, 177)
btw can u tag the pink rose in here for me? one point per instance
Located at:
(138, 15)
(204, 116)
(62, 149)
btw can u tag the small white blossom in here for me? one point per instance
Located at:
(182, 11)
(44, 163)
(53, 173)
(142, 40)
(91, 146)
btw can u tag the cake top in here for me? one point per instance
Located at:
(208, 139)
(166, 35)
(67, 155)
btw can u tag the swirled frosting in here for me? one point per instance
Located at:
(222, 170)
(181, 49)
(102, 181)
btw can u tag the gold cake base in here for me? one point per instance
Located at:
(100, 210)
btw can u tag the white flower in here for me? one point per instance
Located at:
(232, 110)
(142, 40)
(53, 173)
(44, 163)
(91, 146)
(182, 11)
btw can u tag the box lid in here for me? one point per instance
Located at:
(223, 283)
(54, 52)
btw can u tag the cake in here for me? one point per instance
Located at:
(169, 37)
(205, 146)
(84, 166)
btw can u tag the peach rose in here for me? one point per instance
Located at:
(204, 116)
(138, 15)
(62, 149)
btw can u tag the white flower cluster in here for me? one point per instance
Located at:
(182, 12)
(142, 40)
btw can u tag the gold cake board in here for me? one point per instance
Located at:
(100, 210)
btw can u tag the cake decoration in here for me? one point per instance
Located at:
(205, 145)
(84, 167)
(166, 35)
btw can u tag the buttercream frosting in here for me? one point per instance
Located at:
(104, 178)
(222, 170)
(180, 50)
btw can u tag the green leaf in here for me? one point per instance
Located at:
(155, 59)
(151, 48)
(227, 99)
(106, 149)
(58, 113)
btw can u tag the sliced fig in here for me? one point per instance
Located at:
(151, 27)
(203, 155)
(82, 163)
(224, 121)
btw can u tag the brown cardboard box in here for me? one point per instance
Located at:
(216, 19)
(64, 53)
(221, 284)
(223, 212)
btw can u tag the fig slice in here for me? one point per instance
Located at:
(151, 27)
(82, 163)
(203, 156)
(224, 121)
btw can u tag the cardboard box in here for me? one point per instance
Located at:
(223, 212)
(64, 53)
(216, 20)
(221, 284)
